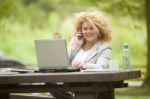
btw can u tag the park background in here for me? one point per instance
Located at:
(23, 21)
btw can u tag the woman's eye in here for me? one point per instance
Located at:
(84, 28)
(91, 28)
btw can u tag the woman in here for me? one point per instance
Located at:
(89, 48)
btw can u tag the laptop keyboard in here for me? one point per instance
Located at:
(59, 70)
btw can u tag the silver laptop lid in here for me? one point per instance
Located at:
(51, 54)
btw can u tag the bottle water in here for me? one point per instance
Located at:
(126, 57)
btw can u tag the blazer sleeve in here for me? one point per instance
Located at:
(70, 53)
(101, 60)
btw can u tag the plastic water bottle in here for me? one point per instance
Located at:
(126, 57)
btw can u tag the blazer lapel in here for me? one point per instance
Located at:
(93, 51)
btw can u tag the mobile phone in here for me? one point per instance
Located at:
(80, 35)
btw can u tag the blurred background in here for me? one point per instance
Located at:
(23, 21)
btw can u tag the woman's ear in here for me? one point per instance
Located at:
(99, 35)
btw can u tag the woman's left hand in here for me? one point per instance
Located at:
(78, 64)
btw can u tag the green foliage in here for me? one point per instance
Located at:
(135, 8)
(5, 8)
(133, 32)
(36, 19)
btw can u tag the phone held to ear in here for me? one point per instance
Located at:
(80, 35)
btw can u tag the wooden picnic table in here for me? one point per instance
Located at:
(86, 85)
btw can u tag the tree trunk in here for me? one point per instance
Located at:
(147, 78)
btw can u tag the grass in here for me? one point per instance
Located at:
(132, 93)
(126, 93)
(132, 97)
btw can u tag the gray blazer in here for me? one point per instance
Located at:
(98, 57)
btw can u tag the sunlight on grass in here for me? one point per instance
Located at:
(132, 97)
(133, 93)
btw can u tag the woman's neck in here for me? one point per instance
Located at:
(87, 45)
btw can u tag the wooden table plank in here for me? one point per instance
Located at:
(102, 84)
(70, 77)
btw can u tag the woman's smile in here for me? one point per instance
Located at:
(90, 32)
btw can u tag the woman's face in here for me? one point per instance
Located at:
(90, 32)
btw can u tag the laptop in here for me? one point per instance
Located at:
(52, 56)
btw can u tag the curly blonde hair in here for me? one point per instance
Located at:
(97, 18)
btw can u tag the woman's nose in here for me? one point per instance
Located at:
(88, 31)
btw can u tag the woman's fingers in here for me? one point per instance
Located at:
(79, 39)
(77, 64)
(80, 35)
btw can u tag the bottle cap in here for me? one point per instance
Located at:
(125, 46)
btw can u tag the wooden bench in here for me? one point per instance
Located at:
(20, 96)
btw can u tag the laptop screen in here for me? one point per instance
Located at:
(51, 54)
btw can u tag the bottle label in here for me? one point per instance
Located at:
(126, 62)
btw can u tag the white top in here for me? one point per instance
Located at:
(98, 56)
(81, 55)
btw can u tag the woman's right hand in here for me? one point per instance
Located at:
(79, 40)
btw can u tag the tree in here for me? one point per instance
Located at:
(5, 7)
(147, 79)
